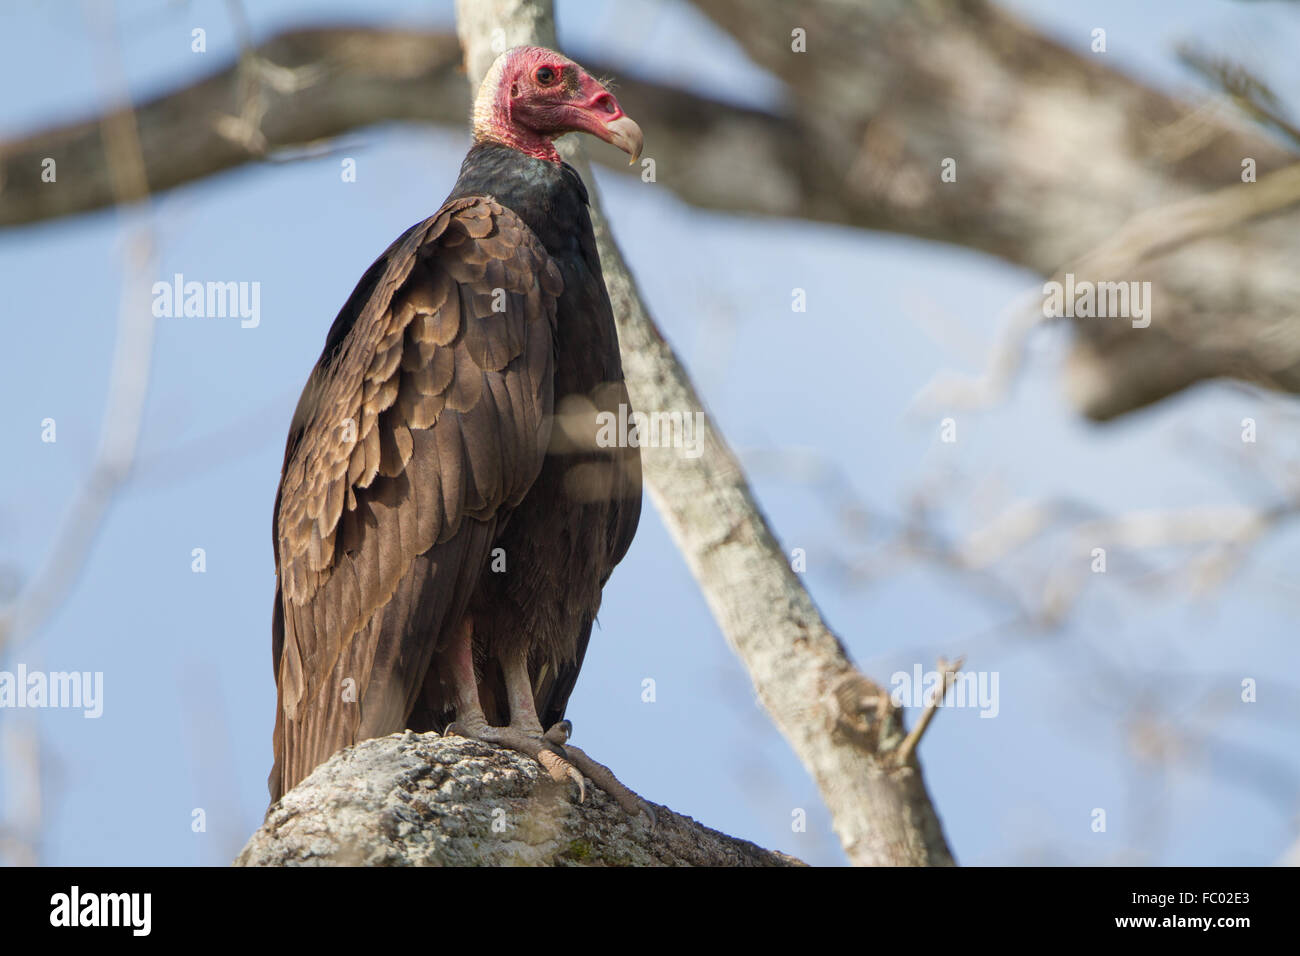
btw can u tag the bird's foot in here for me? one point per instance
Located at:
(604, 778)
(562, 760)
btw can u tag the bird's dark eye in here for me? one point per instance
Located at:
(545, 76)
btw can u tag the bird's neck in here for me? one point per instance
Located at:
(513, 137)
(548, 196)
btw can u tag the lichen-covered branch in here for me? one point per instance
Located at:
(423, 800)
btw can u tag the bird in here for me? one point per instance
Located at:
(448, 512)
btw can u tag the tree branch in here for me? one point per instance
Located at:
(1055, 151)
(423, 800)
(304, 87)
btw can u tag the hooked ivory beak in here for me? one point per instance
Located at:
(626, 135)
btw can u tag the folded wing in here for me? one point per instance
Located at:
(424, 422)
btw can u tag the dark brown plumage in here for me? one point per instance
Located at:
(429, 502)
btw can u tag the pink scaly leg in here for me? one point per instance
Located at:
(524, 734)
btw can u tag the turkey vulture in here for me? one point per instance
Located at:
(446, 516)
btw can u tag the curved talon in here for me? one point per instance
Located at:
(561, 770)
(576, 776)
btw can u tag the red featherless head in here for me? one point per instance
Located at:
(531, 95)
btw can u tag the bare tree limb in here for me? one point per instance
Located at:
(1127, 252)
(908, 747)
(1055, 151)
(800, 670)
(304, 87)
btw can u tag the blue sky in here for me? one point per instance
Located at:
(188, 692)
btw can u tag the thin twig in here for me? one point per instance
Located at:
(905, 750)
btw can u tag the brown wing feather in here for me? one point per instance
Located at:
(426, 419)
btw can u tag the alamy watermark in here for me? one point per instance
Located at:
(68, 690)
(132, 911)
(637, 429)
(208, 300)
(1101, 300)
(969, 689)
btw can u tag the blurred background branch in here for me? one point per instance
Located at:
(892, 91)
